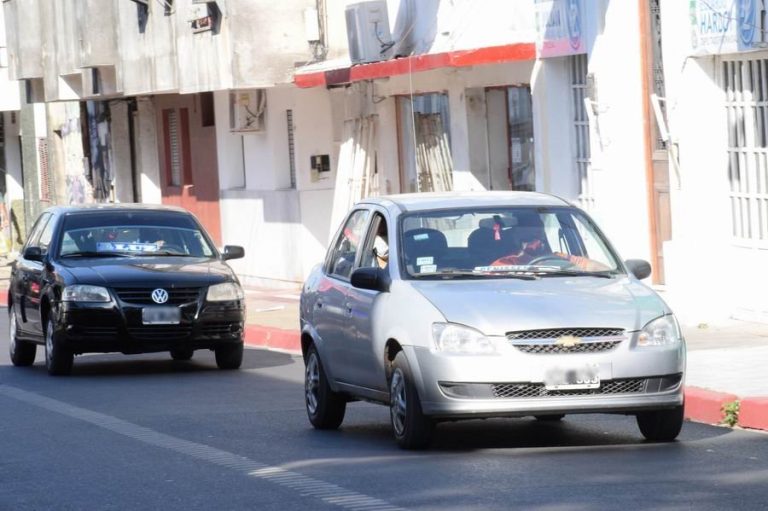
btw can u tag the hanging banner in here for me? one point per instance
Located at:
(725, 26)
(559, 28)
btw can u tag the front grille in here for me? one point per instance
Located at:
(526, 390)
(220, 328)
(143, 296)
(96, 332)
(590, 340)
(160, 332)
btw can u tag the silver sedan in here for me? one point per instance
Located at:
(452, 306)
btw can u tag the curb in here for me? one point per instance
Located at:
(258, 336)
(703, 405)
(754, 413)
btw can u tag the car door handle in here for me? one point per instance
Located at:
(319, 304)
(349, 309)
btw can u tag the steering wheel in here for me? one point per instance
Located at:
(547, 257)
(175, 249)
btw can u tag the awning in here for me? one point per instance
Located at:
(319, 76)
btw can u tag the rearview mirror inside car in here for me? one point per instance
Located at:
(639, 268)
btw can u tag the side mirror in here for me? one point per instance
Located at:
(375, 279)
(639, 268)
(33, 254)
(232, 252)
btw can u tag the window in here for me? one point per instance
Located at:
(342, 257)
(207, 110)
(581, 150)
(425, 143)
(38, 227)
(291, 148)
(45, 237)
(176, 138)
(509, 139)
(745, 83)
(376, 252)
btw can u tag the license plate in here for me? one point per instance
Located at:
(572, 379)
(161, 315)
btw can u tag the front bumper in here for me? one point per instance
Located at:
(118, 327)
(512, 384)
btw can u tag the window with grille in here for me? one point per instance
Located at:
(581, 151)
(177, 152)
(46, 180)
(291, 148)
(745, 83)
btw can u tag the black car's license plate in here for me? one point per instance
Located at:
(161, 315)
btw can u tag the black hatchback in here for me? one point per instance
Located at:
(123, 278)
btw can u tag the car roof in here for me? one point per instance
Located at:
(109, 207)
(445, 200)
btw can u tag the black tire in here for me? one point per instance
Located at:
(58, 360)
(22, 352)
(325, 408)
(661, 425)
(412, 429)
(230, 356)
(181, 354)
(550, 418)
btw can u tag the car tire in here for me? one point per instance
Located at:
(58, 359)
(325, 408)
(181, 354)
(661, 425)
(230, 356)
(412, 429)
(550, 418)
(22, 352)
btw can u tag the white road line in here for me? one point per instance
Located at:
(304, 486)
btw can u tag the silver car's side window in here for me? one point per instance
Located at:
(376, 251)
(344, 253)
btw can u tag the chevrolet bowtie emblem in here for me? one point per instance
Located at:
(568, 341)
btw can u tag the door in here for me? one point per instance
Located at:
(29, 278)
(332, 313)
(365, 363)
(190, 177)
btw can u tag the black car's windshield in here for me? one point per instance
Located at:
(504, 242)
(132, 233)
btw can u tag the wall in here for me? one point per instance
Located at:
(9, 89)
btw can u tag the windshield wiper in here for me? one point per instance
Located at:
(605, 274)
(167, 253)
(448, 274)
(93, 253)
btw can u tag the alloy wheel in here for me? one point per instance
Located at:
(398, 403)
(312, 383)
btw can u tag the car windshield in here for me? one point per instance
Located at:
(131, 233)
(503, 242)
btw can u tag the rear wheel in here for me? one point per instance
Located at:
(325, 408)
(58, 360)
(661, 425)
(181, 354)
(229, 356)
(412, 429)
(22, 352)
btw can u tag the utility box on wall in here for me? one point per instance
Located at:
(368, 34)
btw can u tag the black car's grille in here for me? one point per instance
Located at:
(523, 390)
(97, 332)
(160, 332)
(143, 296)
(551, 341)
(220, 328)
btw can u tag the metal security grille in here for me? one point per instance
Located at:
(291, 147)
(174, 144)
(745, 83)
(46, 180)
(524, 390)
(581, 147)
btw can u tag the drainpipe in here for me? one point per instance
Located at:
(644, 17)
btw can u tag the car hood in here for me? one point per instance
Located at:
(498, 306)
(156, 271)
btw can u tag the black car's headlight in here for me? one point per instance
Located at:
(226, 292)
(83, 293)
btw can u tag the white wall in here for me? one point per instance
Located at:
(9, 89)
(14, 185)
(147, 157)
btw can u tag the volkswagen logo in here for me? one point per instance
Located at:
(159, 295)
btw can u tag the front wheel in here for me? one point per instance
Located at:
(412, 429)
(661, 425)
(58, 359)
(229, 356)
(325, 408)
(22, 352)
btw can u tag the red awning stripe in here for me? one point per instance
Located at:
(417, 63)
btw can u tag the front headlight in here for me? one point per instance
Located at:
(458, 339)
(81, 293)
(663, 331)
(226, 292)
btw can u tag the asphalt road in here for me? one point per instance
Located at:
(144, 432)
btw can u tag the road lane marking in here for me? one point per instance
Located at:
(304, 486)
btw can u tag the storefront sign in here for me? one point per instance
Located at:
(725, 26)
(559, 28)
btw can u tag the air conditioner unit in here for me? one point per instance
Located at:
(368, 32)
(247, 110)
